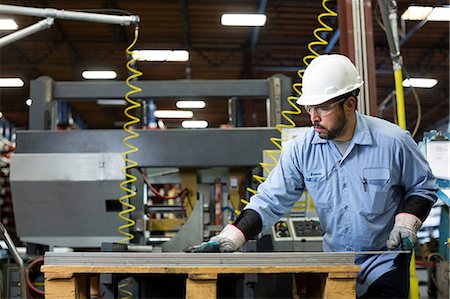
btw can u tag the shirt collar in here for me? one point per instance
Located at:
(361, 135)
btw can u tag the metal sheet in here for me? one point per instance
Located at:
(67, 167)
(199, 260)
(190, 234)
(49, 212)
(159, 148)
(161, 89)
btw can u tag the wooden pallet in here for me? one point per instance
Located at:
(75, 275)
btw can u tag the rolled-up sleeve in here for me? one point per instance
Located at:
(417, 176)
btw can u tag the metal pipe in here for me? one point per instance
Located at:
(42, 25)
(69, 15)
(357, 26)
(364, 57)
(388, 9)
(333, 40)
(20, 264)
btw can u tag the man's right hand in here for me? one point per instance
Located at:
(230, 239)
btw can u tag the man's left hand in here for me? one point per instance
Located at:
(404, 231)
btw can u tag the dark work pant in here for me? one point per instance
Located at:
(393, 284)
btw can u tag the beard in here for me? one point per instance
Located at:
(333, 132)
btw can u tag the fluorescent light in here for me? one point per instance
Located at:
(190, 104)
(428, 12)
(243, 19)
(112, 102)
(194, 124)
(99, 74)
(173, 114)
(161, 55)
(11, 82)
(419, 82)
(8, 24)
(29, 102)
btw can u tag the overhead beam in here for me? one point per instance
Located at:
(186, 35)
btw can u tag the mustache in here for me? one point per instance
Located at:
(317, 125)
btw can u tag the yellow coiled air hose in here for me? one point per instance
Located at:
(287, 114)
(127, 184)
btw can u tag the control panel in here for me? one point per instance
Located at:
(297, 229)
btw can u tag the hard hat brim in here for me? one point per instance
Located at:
(313, 100)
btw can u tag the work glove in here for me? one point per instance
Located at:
(230, 239)
(404, 231)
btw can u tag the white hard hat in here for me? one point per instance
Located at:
(328, 76)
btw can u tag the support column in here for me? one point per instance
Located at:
(43, 111)
(356, 42)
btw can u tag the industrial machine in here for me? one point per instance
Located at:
(73, 177)
(436, 228)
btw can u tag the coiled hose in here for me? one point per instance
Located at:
(127, 184)
(287, 114)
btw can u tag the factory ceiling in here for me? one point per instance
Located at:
(69, 47)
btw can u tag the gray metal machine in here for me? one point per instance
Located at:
(65, 184)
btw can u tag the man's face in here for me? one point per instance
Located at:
(328, 120)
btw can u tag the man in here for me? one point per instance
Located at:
(371, 186)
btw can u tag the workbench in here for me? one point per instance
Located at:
(71, 275)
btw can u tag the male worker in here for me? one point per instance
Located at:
(371, 186)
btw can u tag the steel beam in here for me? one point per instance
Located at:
(45, 91)
(161, 89)
(159, 148)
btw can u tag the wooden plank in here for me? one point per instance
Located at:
(62, 271)
(60, 288)
(339, 288)
(334, 274)
(201, 286)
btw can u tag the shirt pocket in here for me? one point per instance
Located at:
(319, 189)
(376, 187)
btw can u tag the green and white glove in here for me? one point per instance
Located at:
(404, 231)
(230, 239)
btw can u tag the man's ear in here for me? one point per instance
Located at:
(350, 104)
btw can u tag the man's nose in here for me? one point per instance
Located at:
(314, 116)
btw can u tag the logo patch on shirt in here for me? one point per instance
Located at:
(315, 173)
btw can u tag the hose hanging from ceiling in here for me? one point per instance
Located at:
(287, 114)
(127, 184)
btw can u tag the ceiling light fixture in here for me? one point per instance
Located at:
(243, 19)
(173, 114)
(111, 102)
(419, 82)
(8, 24)
(29, 102)
(194, 124)
(11, 82)
(161, 55)
(427, 12)
(190, 104)
(99, 74)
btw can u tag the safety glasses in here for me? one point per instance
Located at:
(324, 110)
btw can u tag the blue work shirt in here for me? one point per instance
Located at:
(356, 195)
